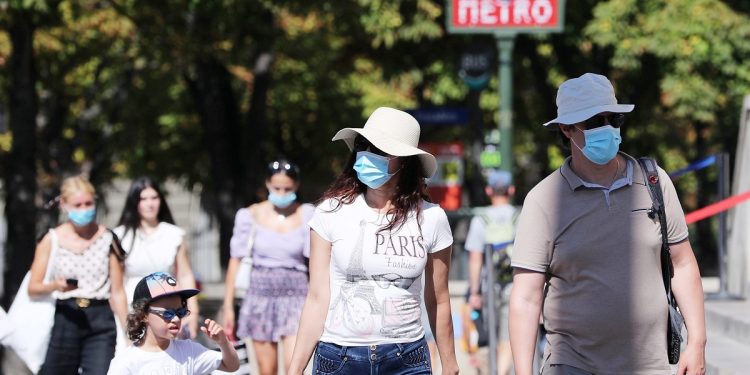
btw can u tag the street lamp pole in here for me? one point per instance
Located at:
(505, 45)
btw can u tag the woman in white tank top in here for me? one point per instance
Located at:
(153, 243)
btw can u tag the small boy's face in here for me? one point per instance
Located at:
(159, 326)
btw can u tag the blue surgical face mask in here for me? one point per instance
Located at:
(602, 144)
(282, 201)
(82, 217)
(372, 169)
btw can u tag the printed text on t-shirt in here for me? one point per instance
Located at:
(401, 246)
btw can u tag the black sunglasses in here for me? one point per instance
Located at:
(279, 166)
(615, 119)
(169, 314)
(362, 144)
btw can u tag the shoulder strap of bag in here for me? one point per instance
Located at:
(251, 236)
(52, 253)
(486, 219)
(115, 246)
(651, 174)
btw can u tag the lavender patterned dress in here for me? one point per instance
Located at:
(273, 303)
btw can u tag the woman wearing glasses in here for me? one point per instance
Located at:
(79, 262)
(373, 237)
(154, 244)
(276, 234)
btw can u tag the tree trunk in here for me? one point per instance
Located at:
(216, 106)
(20, 178)
(255, 129)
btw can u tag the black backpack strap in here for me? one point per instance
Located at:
(651, 173)
(116, 247)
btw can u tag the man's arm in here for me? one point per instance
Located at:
(475, 246)
(476, 258)
(525, 309)
(688, 290)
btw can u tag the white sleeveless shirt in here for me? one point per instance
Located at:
(148, 253)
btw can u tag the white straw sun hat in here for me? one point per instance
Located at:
(581, 98)
(393, 132)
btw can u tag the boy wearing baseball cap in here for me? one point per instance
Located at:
(158, 309)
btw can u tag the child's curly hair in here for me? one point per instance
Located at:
(137, 321)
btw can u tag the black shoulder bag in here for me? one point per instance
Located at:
(674, 325)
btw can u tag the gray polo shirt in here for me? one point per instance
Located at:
(605, 308)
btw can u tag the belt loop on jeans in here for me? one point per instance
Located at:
(342, 351)
(400, 347)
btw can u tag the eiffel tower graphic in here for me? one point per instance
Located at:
(355, 274)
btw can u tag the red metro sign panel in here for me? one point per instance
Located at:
(505, 16)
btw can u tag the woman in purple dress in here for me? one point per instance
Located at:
(279, 235)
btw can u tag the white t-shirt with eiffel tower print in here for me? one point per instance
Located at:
(376, 278)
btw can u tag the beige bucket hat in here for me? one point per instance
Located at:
(394, 132)
(579, 99)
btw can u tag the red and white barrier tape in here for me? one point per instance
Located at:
(716, 208)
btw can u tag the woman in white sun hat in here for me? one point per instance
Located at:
(373, 235)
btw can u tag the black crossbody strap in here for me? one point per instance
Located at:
(651, 173)
(116, 246)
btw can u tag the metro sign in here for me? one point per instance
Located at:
(505, 16)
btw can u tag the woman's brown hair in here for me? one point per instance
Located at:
(411, 188)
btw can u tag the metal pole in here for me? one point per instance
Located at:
(722, 165)
(492, 308)
(505, 75)
(723, 159)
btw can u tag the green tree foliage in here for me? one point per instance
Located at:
(209, 91)
(695, 53)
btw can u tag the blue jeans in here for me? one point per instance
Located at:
(389, 359)
(81, 338)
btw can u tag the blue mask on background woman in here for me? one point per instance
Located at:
(602, 144)
(82, 217)
(282, 201)
(372, 169)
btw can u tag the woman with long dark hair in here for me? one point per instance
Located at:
(374, 235)
(276, 230)
(153, 242)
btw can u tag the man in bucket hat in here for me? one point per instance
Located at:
(588, 248)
